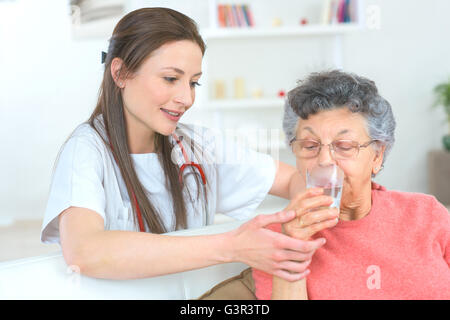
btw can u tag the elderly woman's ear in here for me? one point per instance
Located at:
(378, 160)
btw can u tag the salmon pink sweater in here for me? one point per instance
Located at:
(400, 250)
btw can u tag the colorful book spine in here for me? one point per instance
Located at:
(334, 12)
(325, 19)
(353, 11)
(240, 14)
(245, 12)
(347, 11)
(249, 15)
(339, 11)
(236, 15)
(221, 15)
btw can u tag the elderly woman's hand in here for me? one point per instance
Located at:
(313, 214)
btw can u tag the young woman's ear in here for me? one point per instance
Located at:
(117, 72)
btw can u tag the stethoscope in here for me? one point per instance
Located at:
(187, 163)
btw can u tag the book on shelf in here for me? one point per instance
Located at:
(340, 11)
(234, 15)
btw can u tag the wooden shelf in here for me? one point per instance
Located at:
(245, 103)
(282, 31)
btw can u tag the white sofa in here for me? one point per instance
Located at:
(49, 277)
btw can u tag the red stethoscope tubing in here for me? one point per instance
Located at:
(186, 164)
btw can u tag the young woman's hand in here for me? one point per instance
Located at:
(273, 252)
(313, 214)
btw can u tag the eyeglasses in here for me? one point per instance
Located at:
(339, 149)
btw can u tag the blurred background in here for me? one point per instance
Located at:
(50, 67)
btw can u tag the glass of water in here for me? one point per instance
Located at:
(330, 178)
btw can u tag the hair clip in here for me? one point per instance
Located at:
(103, 56)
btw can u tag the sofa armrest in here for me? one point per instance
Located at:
(438, 175)
(49, 277)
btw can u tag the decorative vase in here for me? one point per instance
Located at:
(446, 142)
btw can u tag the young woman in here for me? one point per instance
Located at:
(133, 167)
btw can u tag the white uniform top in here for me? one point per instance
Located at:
(86, 175)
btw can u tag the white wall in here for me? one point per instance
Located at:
(407, 57)
(49, 84)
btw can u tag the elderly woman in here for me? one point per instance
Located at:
(385, 244)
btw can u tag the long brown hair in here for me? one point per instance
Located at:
(134, 38)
